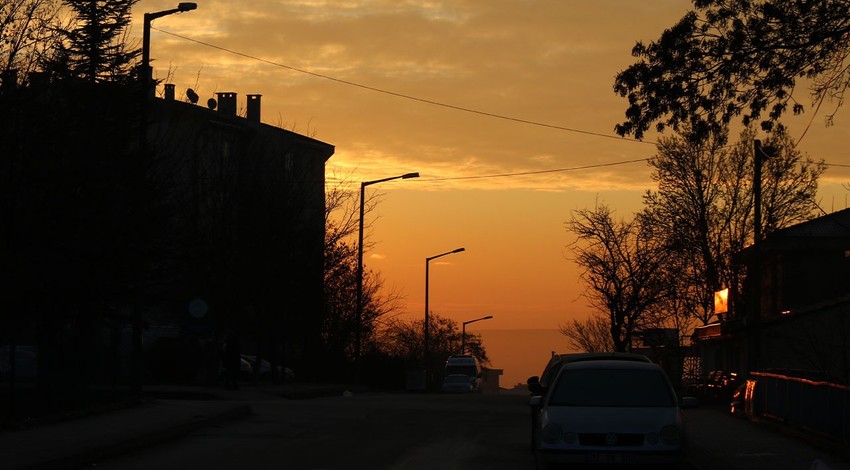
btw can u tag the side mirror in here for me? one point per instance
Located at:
(535, 401)
(536, 389)
(533, 379)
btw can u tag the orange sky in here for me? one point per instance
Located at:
(551, 62)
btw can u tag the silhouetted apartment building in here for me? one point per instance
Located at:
(244, 211)
(197, 223)
(798, 318)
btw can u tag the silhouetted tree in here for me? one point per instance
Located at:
(620, 263)
(340, 327)
(728, 58)
(702, 212)
(700, 216)
(97, 47)
(406, 339)
(29, 30)
(590, 335)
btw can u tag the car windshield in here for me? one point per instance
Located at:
(612, 388)
(461, 369)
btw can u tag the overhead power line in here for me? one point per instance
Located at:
(444, 105)
(554, 170)
(537, 172)
(403, 95)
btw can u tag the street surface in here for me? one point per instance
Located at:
(432, 431)
(365, 431)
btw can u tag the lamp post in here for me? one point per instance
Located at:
(147, 76)
(463, 332)
(359, 313)
(427, 314)
(759, 155)
(146, 41)
(146, 92)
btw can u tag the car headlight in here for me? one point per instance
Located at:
(551, 433)
(670, 435)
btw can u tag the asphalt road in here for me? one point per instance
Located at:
(430, 431)
(380, 431)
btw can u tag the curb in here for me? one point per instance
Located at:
(113, 449)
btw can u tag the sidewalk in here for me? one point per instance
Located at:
(719, 440)
(167, 413)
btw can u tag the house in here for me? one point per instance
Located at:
(801, 319)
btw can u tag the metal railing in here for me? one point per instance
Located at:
(815, 406)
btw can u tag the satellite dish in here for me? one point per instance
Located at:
(211, 103)
(193, 97)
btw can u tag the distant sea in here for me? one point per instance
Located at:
(521, 353)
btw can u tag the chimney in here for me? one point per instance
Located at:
(169, 92)
(253, 113)
(227, 102)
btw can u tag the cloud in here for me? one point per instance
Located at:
(549, 62)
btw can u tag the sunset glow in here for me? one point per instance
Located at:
(506, 109)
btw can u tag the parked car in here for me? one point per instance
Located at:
(716, 387)
(538, 386)
(610, 411)
(266, 372)
(459, 383)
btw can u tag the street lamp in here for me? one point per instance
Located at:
(359, 312)
(463, 333)
(146, 40)
(147, 92)
(427, 321)
(759, 155)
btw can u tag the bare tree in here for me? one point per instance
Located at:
(340, 328)
(702, 211)
(28, 32)
(590, 335)
(620, 264)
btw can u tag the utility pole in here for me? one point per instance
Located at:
(754, 327)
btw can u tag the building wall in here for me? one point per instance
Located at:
(244, 206)
(803, 271)
(802, 321)
(817, 341)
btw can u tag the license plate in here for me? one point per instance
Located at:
(610, 458)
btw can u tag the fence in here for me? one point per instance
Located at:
(816, 406)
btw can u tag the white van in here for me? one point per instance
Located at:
(465, 365)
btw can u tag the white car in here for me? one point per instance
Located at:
(610, 412)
